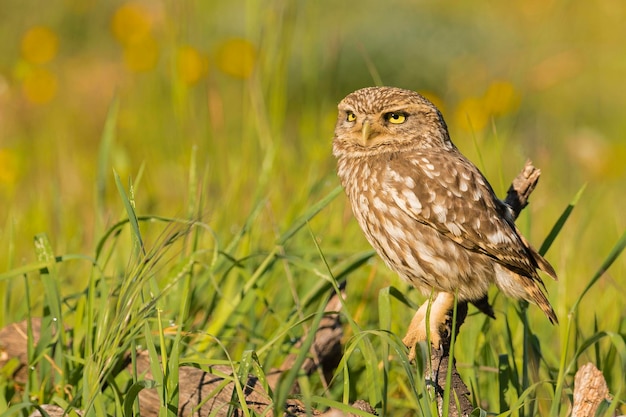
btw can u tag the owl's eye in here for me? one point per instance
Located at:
(395, 117)
(350, 117)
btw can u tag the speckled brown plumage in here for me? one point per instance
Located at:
(426, 209)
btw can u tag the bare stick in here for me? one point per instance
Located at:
(590, 390)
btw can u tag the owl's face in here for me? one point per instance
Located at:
(387, 119)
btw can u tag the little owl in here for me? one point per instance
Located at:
(427, 210)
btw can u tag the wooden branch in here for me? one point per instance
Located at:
(590, 390)
(436, 371)
(522, 186)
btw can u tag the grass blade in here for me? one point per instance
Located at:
(104, 152)
(288, 378)
(50, 280)
(42, 265)
(130, 211)
(556, 229)
(312, 211)
(613, 255)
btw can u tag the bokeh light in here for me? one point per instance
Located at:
(39, 45)
(236, 57)
(191, 64)
(8, 168)
(142, 55)
(39, 85)
(471, 115)
(474, 113)
(131, 26)
(501, 98)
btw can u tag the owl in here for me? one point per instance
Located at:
(427, 210)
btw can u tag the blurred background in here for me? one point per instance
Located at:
(252, 86)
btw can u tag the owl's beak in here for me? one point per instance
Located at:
(366, 131)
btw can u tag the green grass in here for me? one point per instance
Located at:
(228, 304)
(203, 221)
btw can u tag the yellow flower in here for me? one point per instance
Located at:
(39, 45)
(132, 27)
(8, 167)
(39, 85)
(191, 65)
(131, 24)
(142, 56)
(236, 57)
(501, 98)
(471, 115)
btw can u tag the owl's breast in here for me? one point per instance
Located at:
(416, 251)
(386, 226)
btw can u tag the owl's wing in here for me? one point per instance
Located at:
(449, 194)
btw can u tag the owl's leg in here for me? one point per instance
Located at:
(439, 308)
(417, 330)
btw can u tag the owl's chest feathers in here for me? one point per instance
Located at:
(375, 182)
(383, 193)
(365, 175)
(372, 187)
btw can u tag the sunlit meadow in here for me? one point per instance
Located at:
(217, 118)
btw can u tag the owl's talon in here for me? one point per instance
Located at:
(417, 333)
(412, 354)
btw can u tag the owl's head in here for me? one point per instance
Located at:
(387, 119)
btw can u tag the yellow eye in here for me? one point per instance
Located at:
(350, 117)
(395, 118)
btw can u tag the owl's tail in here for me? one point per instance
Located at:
(537, 296)
(541, 262)
(531, 284)
(528, 287)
